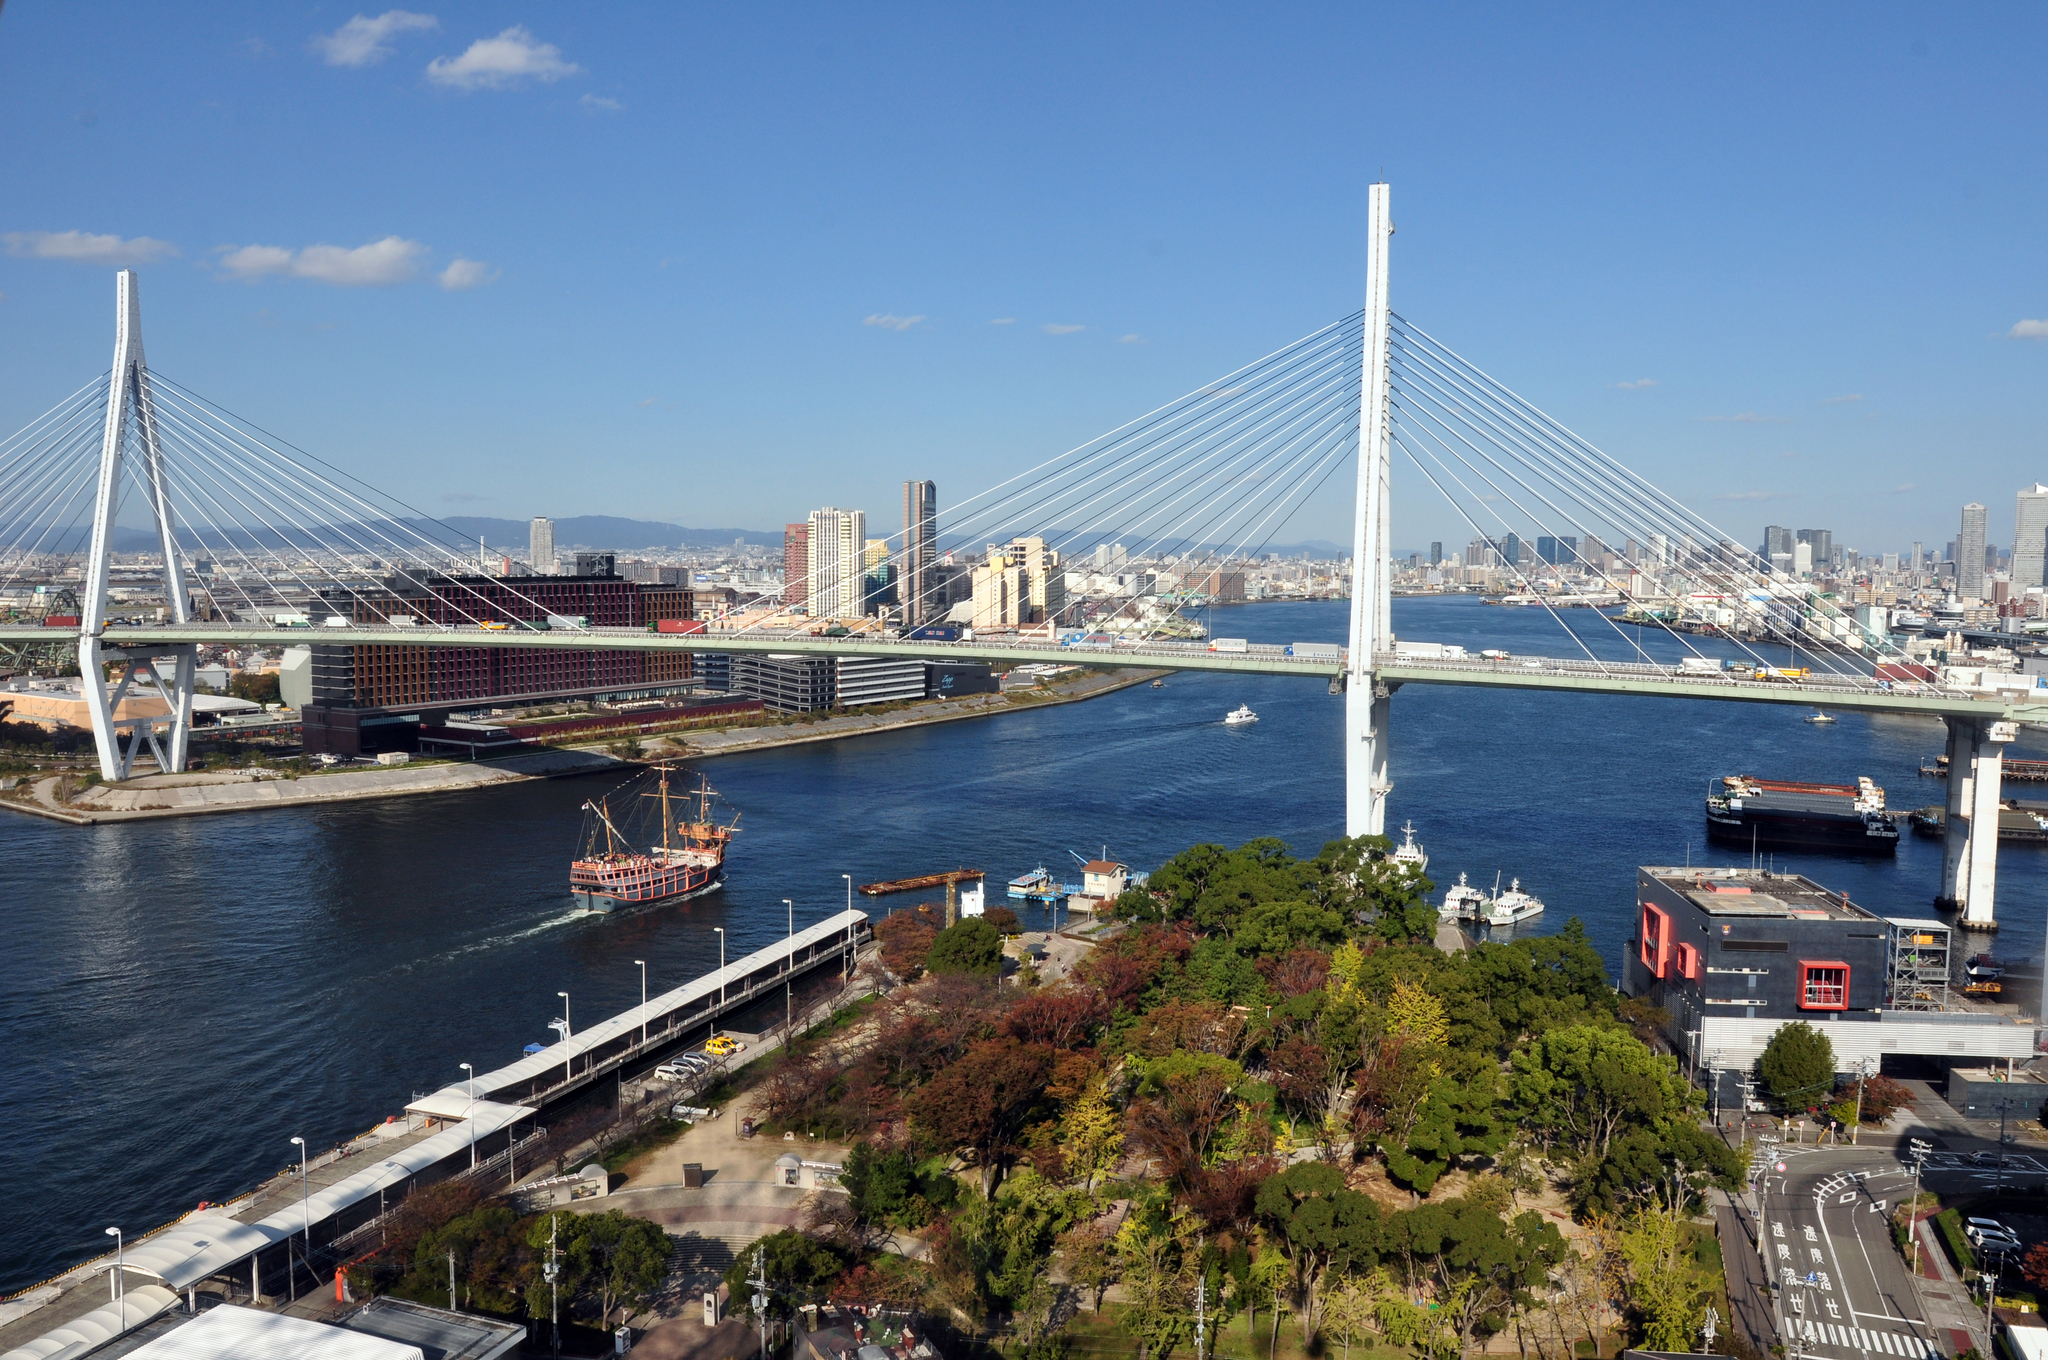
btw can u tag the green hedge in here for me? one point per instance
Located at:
(1950, 1222)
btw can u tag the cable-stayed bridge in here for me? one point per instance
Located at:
(134, 461)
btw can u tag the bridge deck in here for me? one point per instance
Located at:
(1516, 672)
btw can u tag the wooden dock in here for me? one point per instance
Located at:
(904, 885)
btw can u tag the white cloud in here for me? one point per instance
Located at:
(1837, 401)
(1903, 487)
(500, 62)
(599, 102)
(376, 265)
(1004, 321)
(462, 273)
(85, 248)
(1132, 340)
(891, 323)
(1637, 385)
(1748, 496)
(2028, 330)
(1746, 418)
(365, 42)
(1054, 328)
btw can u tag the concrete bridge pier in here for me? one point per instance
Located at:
(1969, 861)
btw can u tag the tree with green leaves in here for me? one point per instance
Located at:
(1659, 1282)
(620, 1260)
(968, 946)
(984, 1101)
(1577, 1087)
(1666, 1166)
(1480, 1265)
(1798, 1064)
(799, 1268)
(1321, 1225)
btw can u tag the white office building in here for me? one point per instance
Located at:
(835, 563)
(541, 545)
(2030, 539)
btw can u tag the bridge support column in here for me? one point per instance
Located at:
(131, 416)
(1969, 860)
(1955, 825)
(1366, 706)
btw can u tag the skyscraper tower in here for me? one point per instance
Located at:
(2030, 539)
(540, 545)
(920, 544)
(837, 551)
(1970, 554)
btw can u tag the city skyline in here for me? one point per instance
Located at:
(456, 277)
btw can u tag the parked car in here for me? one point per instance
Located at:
(675, 1071)
(723, 1045)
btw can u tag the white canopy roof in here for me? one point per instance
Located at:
(230, 1332)
(558, 1054)
(208, 1242)
(98, 1327)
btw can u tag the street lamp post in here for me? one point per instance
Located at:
(1920, 1151)
(117, 1287)
(306, 1209)
(643, 1001)
(789, 968)
(846, 964)
(721, 966)
(470, 1116)
(568, 1071)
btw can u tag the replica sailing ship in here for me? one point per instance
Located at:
(689, 857)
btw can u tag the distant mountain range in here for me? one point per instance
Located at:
(606, 533)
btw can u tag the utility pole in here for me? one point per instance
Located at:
(1920, 1151)
(760, 1283)
(1201, 1331)
(552, 1269)
(451, 1282)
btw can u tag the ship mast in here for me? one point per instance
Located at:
(664, 814)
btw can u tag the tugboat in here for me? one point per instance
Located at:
(1462, 903)
(1241, 716)
(689, 859)
(1409, 853)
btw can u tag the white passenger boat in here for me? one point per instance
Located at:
(1512, 906)
(1462, 903)
(1241, 716)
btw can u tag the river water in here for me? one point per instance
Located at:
(179, 998)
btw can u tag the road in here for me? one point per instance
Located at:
(1843, 1289)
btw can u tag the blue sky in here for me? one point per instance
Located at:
(663, 231)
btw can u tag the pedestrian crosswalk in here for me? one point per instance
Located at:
(1867, 1339)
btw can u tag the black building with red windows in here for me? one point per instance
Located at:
(1746, 944)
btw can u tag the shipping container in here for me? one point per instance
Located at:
(1229, 645)
(1318, 651)
(60, 621)
(568, 621)
(935, 632)
(678, 625)
(1902, 670)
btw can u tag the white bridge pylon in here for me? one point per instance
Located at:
(109, 673)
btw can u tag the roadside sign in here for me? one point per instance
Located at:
(1781, 1166)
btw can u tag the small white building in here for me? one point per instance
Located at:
(1105, 879)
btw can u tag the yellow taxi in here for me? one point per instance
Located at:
(722, 1045)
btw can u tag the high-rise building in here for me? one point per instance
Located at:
(796, 565)
(1802, 559)
(1557, 551)
(2030, 539)
(1436, 553)
(1970, 554)
(920, 550)
(1777, 539)
(541, 545)
(1822, 541)
(837, 565)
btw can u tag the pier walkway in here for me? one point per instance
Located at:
(284, 1238)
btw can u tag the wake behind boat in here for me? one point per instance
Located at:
(687, 859)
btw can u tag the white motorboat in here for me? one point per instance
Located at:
(1241, 716)
(1462, 903)
(1408, 852)
(1512, 906)
(1820, 716)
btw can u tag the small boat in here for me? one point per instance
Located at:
(1462, 903)
(1511, 906)
(1037, 886)
(1408, 852)
(1241, 716)
(1817, 716)
(1983, 968)
(1159, 684)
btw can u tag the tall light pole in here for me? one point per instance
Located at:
(568, 1072)
(305, 1208)
(643, 1001)
(721, 966)
(846, 965)
(117, 1287)
(789, 968)
(1920, 1151)
(470, 1116)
